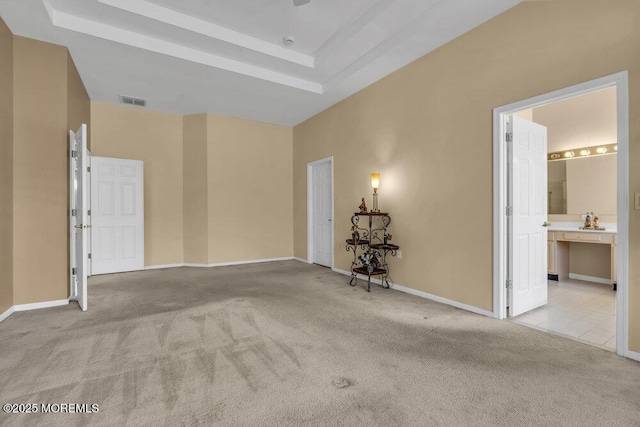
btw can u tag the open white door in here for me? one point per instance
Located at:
(78, 224)
(322, 211)
(117, 215)
(527, 222)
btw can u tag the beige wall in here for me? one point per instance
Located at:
(6, 168)
(155, 138)
(78, 103)
(250, 190)
(40, 174)
(428, 129)
(196, 213)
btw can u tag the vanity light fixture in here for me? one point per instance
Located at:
(597, 150)
(375, 183)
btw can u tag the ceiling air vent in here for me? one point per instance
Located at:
(133, 101)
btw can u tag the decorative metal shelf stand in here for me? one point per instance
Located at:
(371, 240)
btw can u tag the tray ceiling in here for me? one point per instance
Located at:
(229, 56)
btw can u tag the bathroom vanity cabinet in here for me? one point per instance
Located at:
(558, 243)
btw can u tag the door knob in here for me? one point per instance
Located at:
(546, 224)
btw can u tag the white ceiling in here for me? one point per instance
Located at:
(228, 57)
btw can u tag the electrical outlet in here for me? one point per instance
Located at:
(399, 254)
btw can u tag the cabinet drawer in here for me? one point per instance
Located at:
(586, 237)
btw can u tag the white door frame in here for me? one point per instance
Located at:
(621, 82)
(310, 247)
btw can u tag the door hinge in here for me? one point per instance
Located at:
(89, 256)
(89, 212)
(508, 283)
(74, 212)
(74, 154)
(88, 168)
(509, 211)
(509, 136)
(73, 271)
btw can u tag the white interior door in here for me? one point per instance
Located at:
(527, 225)
(117, 215)
(78, 225)
(322, 213)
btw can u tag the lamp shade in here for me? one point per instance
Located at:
(375, 180)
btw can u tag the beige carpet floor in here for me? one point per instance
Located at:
(287, 343)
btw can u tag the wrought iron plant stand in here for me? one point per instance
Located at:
(372, 241)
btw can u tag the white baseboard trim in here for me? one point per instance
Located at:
(589, 278)
(225, 264)
(158, 267)
(253, 261)
(425, 295)
(633, 355)
(39, 305)
(7, 313)
(301, 260)
(436, 298)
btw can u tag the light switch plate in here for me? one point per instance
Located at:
(637, 198)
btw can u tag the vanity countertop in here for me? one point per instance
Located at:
(575, 226)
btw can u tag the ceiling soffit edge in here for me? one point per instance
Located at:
(141, 41)
(190, 23)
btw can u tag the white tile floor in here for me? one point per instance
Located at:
(581, 310)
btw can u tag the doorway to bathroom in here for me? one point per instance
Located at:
(554, 155)
(581, 216)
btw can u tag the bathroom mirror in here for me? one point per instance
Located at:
(581, 185)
